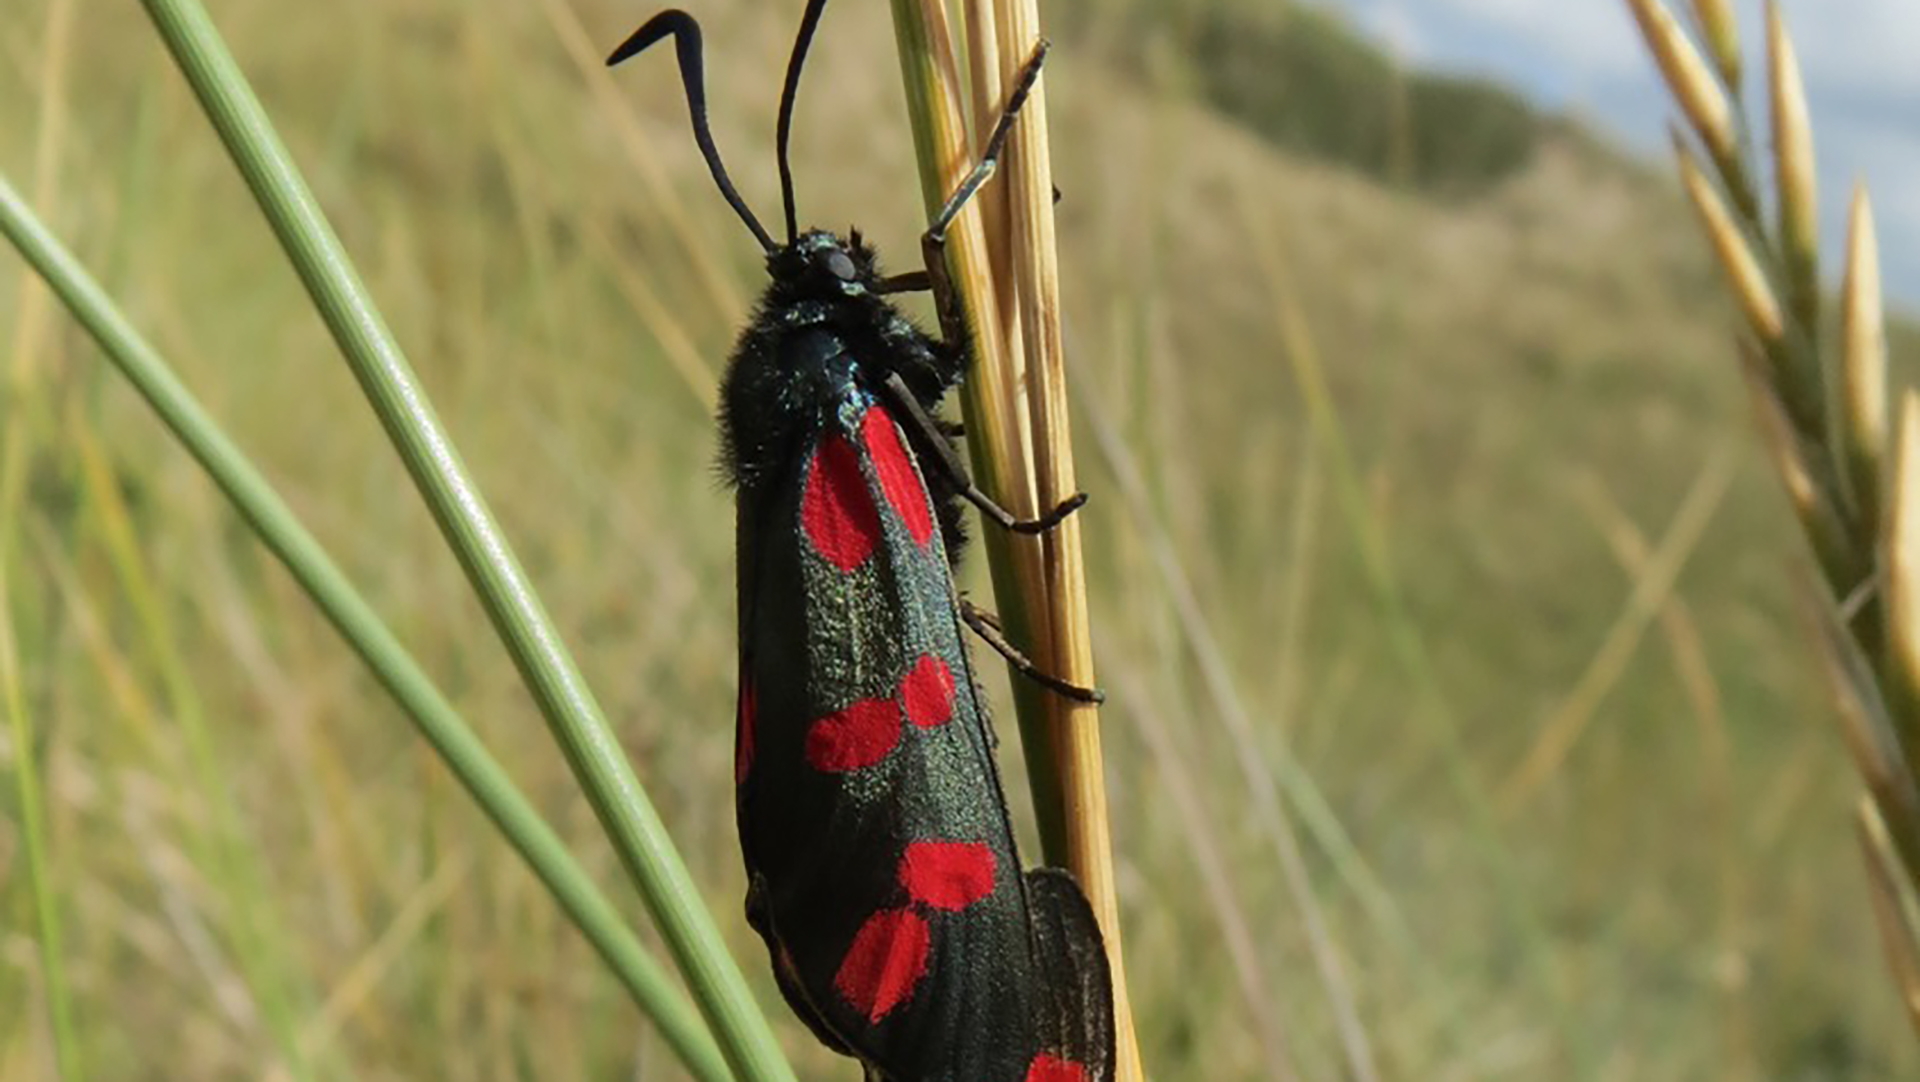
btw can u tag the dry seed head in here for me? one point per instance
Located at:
(1723, 37)
(1863, 359)
(1793, 153)
(1687, 75)
(1736, 257)
(1901, 567)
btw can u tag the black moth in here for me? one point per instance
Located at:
(881, 866)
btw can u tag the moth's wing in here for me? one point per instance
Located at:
(764, 557)
(784, 976)
(854, 646)
(1075, 998)
(821, 639)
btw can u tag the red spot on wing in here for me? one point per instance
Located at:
(899, 479)
(837, 511)
(857, 736)
(928, 692)
(947, 875)
(1046, 1068)
(743, 731)
(886, 960)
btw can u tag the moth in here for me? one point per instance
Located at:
(881, 865)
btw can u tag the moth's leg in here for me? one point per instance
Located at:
(996, 142)
(909, 282)
(987, 626)
(933, 243)
(953, 326)
(925, 433)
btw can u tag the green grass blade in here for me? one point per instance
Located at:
(464, 519)
(33, 836)
(649, 985)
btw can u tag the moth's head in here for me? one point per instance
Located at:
(821, 264)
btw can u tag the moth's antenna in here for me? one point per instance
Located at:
(686, 40)
(808, 21)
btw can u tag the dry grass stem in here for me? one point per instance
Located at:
(1652, 591)
(1060, 622)
(1867, 731)
(1017, 415)
(1893, 909)
(1833, 544)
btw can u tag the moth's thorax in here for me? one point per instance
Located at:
(821, 370)
(823, 341)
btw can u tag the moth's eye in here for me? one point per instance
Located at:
(840, 266)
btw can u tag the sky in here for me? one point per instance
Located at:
(1860, 60)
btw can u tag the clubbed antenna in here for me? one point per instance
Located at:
(808, 21)
(686, 35)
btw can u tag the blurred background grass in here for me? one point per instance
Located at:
(1590, 820)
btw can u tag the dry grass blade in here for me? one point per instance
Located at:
(1652, 590)
(1893, 909)
(1217, 882)
(1737, 258)
(1863, 365)
(1793, 172)
(1264, 782)
(1688, 652)
(1693, 84)
(1867, 731)
(1833, 544)
(1901, 571)
(1723, 37)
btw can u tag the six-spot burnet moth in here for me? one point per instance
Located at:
(881, 865)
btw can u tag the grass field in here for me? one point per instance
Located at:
(1436, 513)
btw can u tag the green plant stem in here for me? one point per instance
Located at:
(461, 512)
(297, 549)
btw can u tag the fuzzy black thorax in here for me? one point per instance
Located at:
(821, 340)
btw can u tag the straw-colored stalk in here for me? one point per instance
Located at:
(1893, 909)
(1822, 414)
(1017, 422)
(1901, 572)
